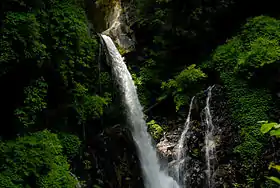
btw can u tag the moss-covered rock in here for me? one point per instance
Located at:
(155, 130)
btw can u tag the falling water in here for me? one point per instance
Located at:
(180, 170)
(153, 177)
(209, 139)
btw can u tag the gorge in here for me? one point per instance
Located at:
(139, 93)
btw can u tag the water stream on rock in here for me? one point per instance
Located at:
(153, 176)
(209, 139)
(180, 170)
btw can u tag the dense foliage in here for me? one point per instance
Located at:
(59, 102)
(35, 160)
(238, 62)
(50, 77)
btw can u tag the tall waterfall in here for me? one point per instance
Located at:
(209, 140)
(180, 170)
(153, 177)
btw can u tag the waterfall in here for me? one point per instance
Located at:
(209, 139)
(153, 176)
(180, 171)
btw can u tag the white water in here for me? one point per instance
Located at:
(209, 139)
(153, 177)
(180, 171)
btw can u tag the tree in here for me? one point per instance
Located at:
(34, 160)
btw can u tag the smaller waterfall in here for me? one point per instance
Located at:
(180, 171)
(209, 139)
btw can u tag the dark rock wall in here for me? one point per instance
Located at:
(224, 172)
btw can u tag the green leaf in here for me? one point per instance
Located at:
(267, 127)
(277, 180)
(275, 132)
(262, 122)
(277, 126)
(96, 186)
(272, 165)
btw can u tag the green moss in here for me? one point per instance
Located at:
(248, 105)
(155, 130)
(237, 61)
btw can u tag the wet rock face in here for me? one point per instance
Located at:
(226, 139)
(224, 136)
(118, 26)
(194, 163)
(196, 152)
(114, 160)
(113, 18)
(167, 144)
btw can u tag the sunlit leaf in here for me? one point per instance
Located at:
(272, 165)
(275, 132)
(277, 180)
(267, 127)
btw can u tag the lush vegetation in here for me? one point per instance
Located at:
(61, 117)
(35, 160)
(50, 80)
(240, 62)
(246, 65)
